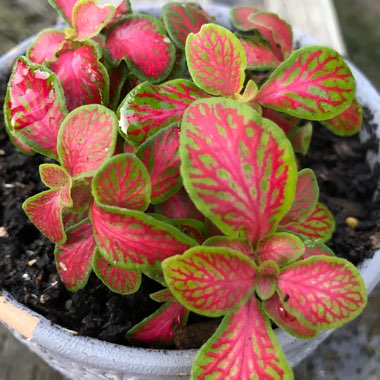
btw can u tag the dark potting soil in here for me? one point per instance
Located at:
(28, 272)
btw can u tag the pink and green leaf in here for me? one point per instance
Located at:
(133, 240)
(181, 19)
(314, 83)
(34, 107)
(120, 281)
(216, 60)
(210, 281)
(243, 347)
(149, 108)
(160, 156)
(241, 17)
(74, 257)
(164, 295)
(141, 41)
(54, 176)
(87, 139)
(236, 244)
(123, 9)
(266, 279)
(316, 249)
(301, 138)
(123, 181)
(64, 8)
(190, 227)
(243, 178)
(322, 292)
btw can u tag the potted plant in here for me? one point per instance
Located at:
(193, 183)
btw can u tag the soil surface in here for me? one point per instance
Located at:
(27, 269)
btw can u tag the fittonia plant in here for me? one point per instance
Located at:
(194, 182)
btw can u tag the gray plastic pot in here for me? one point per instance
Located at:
(85, 358)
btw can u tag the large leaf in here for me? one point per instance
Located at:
(323, 292)
(123, 181)
(210, 281)
(84, 79)
(64, 7)
(120, 281)
(238, 168)
(244, 347)
(74, 257)
(314, 83)
(34, 106)
(141, 41)
(131, 239)
(181, 19)
(86, 139)
(236, 244)
(148, 107)
(160, 156)
(216, 60)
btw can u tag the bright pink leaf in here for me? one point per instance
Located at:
(35, 107)
(286, 122)
(54, 176)
(266, 279)
(118, 280)
(210, 281)
(236, 244)
(301, 138)
(238, 168)
(141, 41)
(244, 347)
(131, 239)
(161, 327)
(148, 107)
(314, 83)
(190, 227)
(86, 139)
(46, 45)
(216, 60)
(64, 7)
(322, 292)
(316, 249)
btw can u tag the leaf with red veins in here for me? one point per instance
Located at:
(318, 227)
(348, 123)
(306, 199)
(179, 206)
(266, 279)
(241, 16)
(84, 79)
(87, 138)
(64, 8)
(316, 249)
(164, 295)
(181, 19)
(210, 281)
(322, 292)
(275, 310)
(149, 108)
(286, 122)
(236, 244)
(120, 281)
(301, 138)
(216, 60)
(54, 176)
(123, 181)
(190, 227)
(74, 257)
(161, 158)
(244, 347)
(141, 41)
(133, 240)
(238, 168)
(314, 83)
(161, 327)
(282, 248)
(46, 46)
(89, 18)
(34, 107)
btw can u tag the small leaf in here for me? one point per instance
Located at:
(236, 244)
(266, 279)
(164, 295)
(35, 106)
(249, 94)
(131, 239)
(323, 292)
(301, 138)
(141, 41)
(155, 273)
(243, 347)
(216, 60)
(286, 122)
(181, 19)
(86, 139)
(54, 176)
(240, 17)
(74, 258)
(314, 83)
(71, 218)
(161, 327)
(282, 248)
(149, 108)
(123, 9)
(210, 281)
(46, 45)
(120, 281)
(275, 310)
(190, 227)
(238, 168)
(160, 156)
(348, 123)
(81, 195)
(122, 181)
(316, 249)
(64, 8)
